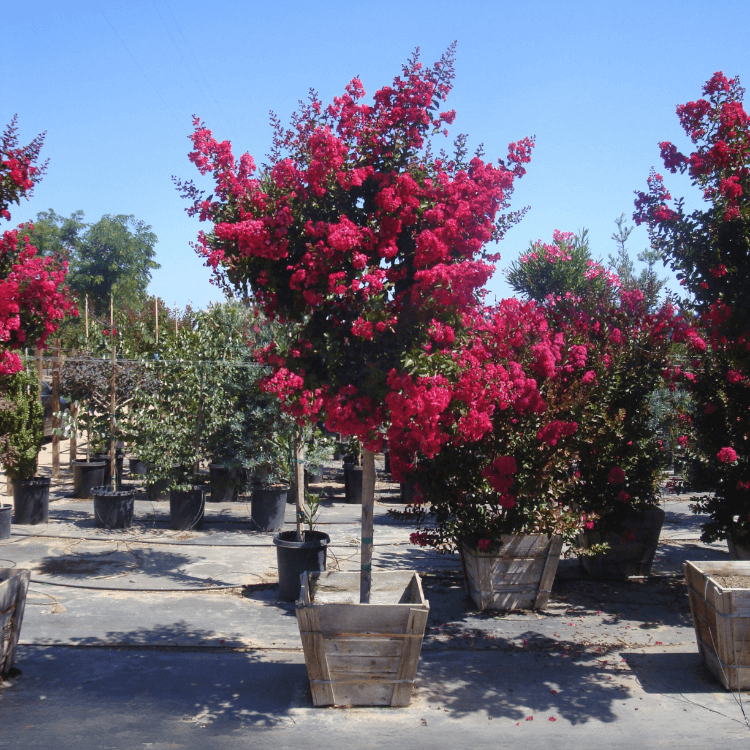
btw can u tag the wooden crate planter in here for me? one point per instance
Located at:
(519, 575)
(721, 617)
(14, 583)
(362, 654)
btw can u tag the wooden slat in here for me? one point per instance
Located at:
(14, 584)
(378, 647)
(351, 618)
(365, 665)
(368, 504)
(315, 657)
(363, 694)
(407, 669)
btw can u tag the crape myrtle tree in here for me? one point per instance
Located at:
(619, 455)
(709, 250)
(358, 232)
(33, 295)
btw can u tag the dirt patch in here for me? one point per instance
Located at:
(732, 582)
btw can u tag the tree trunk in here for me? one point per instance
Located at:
(368, 505)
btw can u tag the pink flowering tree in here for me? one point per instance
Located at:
(709, 249)
(619, 455)
(33, 296)
(491, 440)
(361, 233)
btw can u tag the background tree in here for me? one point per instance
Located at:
(113, 256)
(650, 284)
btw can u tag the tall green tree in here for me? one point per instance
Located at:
(113, 256)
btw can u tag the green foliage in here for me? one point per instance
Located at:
(647, 281)
(557, 268)
(21, 423)
(206, 402)
(114, 256)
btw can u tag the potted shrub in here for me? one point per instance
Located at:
(620, 457)
(369, 244)
(21, 438)
(206, 405)
(495, 460)
(295, 555)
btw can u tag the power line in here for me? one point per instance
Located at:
(143, 72)
(208, 85)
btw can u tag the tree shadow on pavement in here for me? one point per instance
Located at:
(145, 691)
(540, 681)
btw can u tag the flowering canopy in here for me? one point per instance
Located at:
(33, 296)
(360, 233)
(617, 451)
(494, 457)
(710, 251)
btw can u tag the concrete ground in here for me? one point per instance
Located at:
(153, 638)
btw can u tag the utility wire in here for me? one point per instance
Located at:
(208, 85)
(143, 72)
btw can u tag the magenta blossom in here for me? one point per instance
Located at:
(727, 455)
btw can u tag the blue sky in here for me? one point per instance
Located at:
(115, 86)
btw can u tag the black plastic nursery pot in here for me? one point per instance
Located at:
(186, 509)
(159, 490)
(225, 483)
(138, 467)
(353, 483)
(268, 506)
(113, 509)
(86, 476)
(119, 458)
(6, 511)
(31, 501)
(631, 550)
(295, 558)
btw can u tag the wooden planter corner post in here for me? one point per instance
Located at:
(14, 584)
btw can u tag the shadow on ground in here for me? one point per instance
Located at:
(134, 689)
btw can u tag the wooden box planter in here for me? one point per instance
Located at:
(362, 654)
(518, 575)
(14, 583)
(721, 617)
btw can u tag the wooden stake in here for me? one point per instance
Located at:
(299, 477)
(55, 409)
(175, 318)
(112, 442)
(156, 315)
(39, 368)
(73, 435)
(368, 504)
(86, 318)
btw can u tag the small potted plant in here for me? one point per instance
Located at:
(21, 438)
(295, 556)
